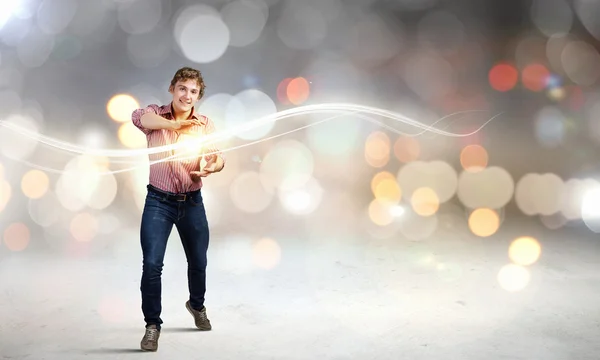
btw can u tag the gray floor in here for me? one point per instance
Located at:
(328, 298)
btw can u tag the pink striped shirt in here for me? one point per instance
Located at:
(173, 175)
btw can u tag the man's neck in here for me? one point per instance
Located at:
(181, 115)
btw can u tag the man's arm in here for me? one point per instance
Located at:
(136, 117)
(153, 121)
(148, 120)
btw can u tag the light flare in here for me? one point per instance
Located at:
(188, 150)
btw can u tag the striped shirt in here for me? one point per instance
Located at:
(174, 175)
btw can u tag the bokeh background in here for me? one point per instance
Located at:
(73, 71)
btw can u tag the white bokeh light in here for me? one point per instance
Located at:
(14, 31)
(301, 200)
(415, 227)
(336, 136)
(301, 26)
(246, 20)
(93, 22)
(8, 9)
(357, 39)
(288, 165)
(441, 29)
(53, 16)
(92, 137)
(429, 75)
(149, 49)
(246, 107)
(550, 126)
(436, 175)
(574, 194)
(249, 194)
(105, 192)
(45, 210)
(513, 278)
(10, 103)
(35, 49)
(492, 188)
(540, 194)
(138, 180)
(78, 185)
(17, 146)
(140, 16)
(588, 11)
(201, 34)
(590, 209)
(552, 17)
(581, 62)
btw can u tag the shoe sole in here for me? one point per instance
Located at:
(148, 349)
(189, 308)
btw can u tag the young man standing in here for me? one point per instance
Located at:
(174, 198)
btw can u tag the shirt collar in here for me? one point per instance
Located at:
(193, 115)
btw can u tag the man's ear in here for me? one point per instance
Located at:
(171, 89)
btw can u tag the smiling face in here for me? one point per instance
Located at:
(185, 95)
(187, 87)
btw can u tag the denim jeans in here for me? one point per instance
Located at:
(158, 218)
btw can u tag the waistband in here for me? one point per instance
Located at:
(172, 196)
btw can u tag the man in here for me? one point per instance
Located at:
(174, 198)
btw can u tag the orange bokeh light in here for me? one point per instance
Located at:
(534, 77)
(379, 178)
(120, 107)
(484, 222)
(407, 149)
(16, 237)
(524, 250)
(380, 213)
(266, 253)
(35, 184)
(503, 77)
(282, 91)
(377, 149)
(298, 90)
(473, 158)
(425, 201)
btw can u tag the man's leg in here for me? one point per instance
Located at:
(194, 234)
(157, 223)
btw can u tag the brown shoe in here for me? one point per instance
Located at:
(200, 317)
(150, 339)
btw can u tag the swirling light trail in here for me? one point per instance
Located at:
(201, 142)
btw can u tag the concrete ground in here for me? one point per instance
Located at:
(311, 297)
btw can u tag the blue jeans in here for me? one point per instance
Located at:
(189, 217)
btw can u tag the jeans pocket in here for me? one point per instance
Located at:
(196, 201)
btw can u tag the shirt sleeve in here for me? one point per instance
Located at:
(212, 148)
(136, 117)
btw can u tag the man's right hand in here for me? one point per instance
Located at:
(184, 126)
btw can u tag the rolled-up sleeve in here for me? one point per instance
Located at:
(136, 117)
(212, 148)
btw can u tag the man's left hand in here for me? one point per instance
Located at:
(214, 164)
